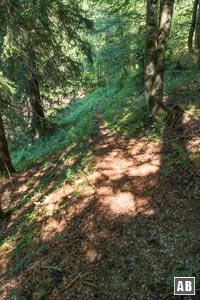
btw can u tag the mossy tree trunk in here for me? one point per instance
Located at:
(197, 33)
(161, 2)
(158, 25)
(192, 27)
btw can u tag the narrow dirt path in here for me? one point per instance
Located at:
(144, 224)
(140, 225)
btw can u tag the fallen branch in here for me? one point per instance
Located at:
(52, 268)
(182, 137)
(91, 284)
(73, 281)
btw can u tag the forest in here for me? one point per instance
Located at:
(99, 148)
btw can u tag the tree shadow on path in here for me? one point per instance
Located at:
(137, 228)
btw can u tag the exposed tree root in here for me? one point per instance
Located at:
(174, 116)
(5, 214)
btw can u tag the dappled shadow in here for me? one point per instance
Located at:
(122, 238)
(30, 189)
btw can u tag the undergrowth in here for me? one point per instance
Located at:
(123, 110)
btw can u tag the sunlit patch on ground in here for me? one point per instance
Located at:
(105, 190)
(92, 255)
(121, 203)
(143, 208)
(118, 169)
(143, 170)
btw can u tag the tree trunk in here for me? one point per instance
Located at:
(150, 47)
(161, 2)
(192, 27)
(157, 36)
(197, 33)
(5, 160)
(33, 100)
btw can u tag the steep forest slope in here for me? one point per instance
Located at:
(99, 148)
(106, 206)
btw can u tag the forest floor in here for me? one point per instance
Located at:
(121, 231)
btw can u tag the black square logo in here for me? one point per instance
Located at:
(184, 286)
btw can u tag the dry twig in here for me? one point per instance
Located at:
(91, 284)
(52, 268)
(73, 281)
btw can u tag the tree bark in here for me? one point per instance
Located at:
(150, 47)
(33, 99)
(157, 36)
(161, 2)
(5, 160)
(192, 27)
(197, 33)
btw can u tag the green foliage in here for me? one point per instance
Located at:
(123, 110)
(156, 131)
(40, 294)
(121, 104)
(118, 40)
(55, 30)
(6, 86)
(183, 84)
(180, 27)
(179, 150)
(181, 270)
(43, 41)
(29, 240)
(48, 280)
(15, 294)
